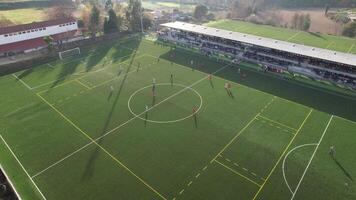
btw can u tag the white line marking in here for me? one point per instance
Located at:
(312, 157)
(128, 121)
(11, 184)
(23, 168)
(293, 36)
(285, 158)
(23, 82)
(351, 48)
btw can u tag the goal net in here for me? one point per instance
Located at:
(69, 53)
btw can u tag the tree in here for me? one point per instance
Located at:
(200, 12)
(112, 23)
(327, 7)
(108, 5)
(295, 21)
(94, 20)
(58, 12)
(48, 40)
(133, 14)
(349, 29)
(306, 23)
(147, 22)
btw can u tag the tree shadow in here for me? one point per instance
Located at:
(343, 169)
(319, 98)
(317, 35)
(25, 73)
(89, 169)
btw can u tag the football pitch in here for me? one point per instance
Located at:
(97, 127)
(335, 43)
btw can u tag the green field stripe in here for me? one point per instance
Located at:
(23, 168)
(285, 150)
(102, 148)
(237, 173)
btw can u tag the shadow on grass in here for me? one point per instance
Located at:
(343, 169)
(317, 35)
(90, 165)
(318, 98)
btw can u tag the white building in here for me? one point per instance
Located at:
(29, 37)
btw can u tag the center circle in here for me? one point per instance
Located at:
(152, 107)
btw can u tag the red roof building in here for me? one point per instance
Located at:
(28, 37)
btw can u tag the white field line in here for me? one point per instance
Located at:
(239, 133)
(312, 157)
(128, 121)
(350, 49)
(283, 153)
(23, 82)
(285, 158)
(327, 47)
(9, 180)
(19, 109)
(23, 168)
(50, 66)
(293, 36)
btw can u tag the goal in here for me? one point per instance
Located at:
(69, 53)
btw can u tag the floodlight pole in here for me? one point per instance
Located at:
(141, 18)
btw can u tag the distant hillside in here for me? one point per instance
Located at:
(313, 3)
(20, 4)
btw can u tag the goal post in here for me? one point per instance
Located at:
(69, 53)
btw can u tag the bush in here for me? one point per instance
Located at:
(349, 29)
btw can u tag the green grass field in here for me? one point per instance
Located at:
(166, 5)
(66, 135)
(23, 16)
(330, 42)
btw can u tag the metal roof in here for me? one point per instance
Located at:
(324, 54)
(34, 25)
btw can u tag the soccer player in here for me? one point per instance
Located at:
(158, 59)
(138, 66)
(191, 62)
(210, 77)
(153, 84)
(171, 79)
(120, 70)
(194, 112)
(332, 152)
(112, 88)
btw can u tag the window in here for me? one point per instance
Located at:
(44, 28)
(23, 32)
(20, 33)
(6, 35)
(60, 25)
(32, 30)
(28, 31)
(40, 29)
(36, 29)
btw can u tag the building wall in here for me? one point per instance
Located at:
(37, 33)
